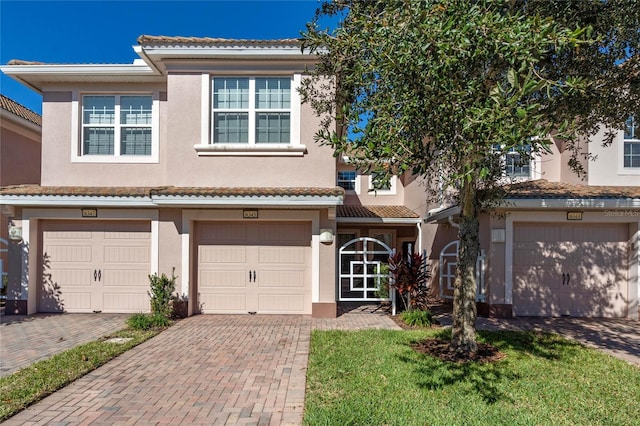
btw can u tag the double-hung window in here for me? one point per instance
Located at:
(251, 110)
(631, 155)
(518, 165)
(347, 180)
(117, 127)
(515, 164)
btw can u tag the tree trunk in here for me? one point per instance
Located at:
(463, 337)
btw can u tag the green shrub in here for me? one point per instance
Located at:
(147, 321)
(140, 321)
(162, 289)
(417, 318)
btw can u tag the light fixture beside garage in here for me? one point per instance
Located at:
(326, 236)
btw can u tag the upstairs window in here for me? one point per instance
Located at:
(518, 165)
(347, 180)
(251, 110)
(515, 164)
(631, 155)
(117, 125)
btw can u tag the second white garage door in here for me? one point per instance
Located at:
(570, 269)
(262, 267)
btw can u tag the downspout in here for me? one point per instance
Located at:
(455, 225)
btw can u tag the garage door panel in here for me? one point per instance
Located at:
(61, 253)
(231, 303)
(222, 254)
(120, 254)
(281, 303)
(125, 302)
(284, 234)
(125, 277)
(283, 255)
(210, 280)
(284, 279)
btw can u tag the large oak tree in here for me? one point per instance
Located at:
(444, 88)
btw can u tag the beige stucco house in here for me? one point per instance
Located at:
(200, 156)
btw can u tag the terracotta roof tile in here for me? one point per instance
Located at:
(211, 41)
(20, 110)
(542, 188)
(386, 212)
(80, 191)
(85, 191)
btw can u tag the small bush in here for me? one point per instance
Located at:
(147, 321)
(140, 321)
(417, 318)
(161, 294)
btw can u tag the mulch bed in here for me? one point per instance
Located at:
(439, 348)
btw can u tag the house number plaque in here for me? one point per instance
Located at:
(574, 215)
(250, 214)
(89, 212)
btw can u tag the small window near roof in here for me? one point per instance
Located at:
(347, 180)
(631, 156)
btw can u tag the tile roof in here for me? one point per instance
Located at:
(383, 212)
(170, 191)
(20, 110)
(542, 188)
(210, 41)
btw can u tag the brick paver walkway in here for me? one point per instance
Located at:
(207, 369)
(27, 339)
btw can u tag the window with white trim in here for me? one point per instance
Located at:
(251, 110)
(515, 164)
(378, 185)
(631, 155)
(347, 180)
(117, 126)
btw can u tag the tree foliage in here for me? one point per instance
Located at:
(444, 88)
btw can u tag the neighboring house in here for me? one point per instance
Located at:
(198, 156)
(559, 245)
(20, 134)
(201, 157)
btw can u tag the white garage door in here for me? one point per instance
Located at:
(261, 267)
(570, 269)
(95, 266)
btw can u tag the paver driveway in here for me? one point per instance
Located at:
(207, 369)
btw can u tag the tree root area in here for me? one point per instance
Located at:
(440, 349)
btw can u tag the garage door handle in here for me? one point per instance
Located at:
(568, 278)
(254, 276)
(95, 275)
(564, 277)
(99, 275)
(249, 276)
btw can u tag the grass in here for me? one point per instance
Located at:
(32, 383)
(374, 377)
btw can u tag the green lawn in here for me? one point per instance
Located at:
(374, 377)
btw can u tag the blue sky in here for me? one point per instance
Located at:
(94, 31)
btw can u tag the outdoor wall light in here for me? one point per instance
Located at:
(326, 236)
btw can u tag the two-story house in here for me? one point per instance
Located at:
(20, 132)
(559, 245)
(198, 156)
